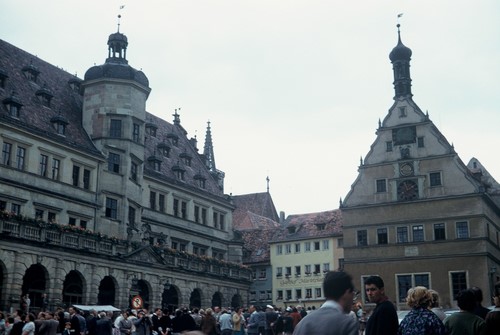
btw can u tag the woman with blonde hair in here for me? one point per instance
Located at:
(421, 320)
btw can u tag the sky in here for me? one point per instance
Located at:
(293, 89)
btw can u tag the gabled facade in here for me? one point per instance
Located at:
(307, 246)
(255, 219)
(101, 200)
(416, 214)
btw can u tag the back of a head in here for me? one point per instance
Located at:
(435, 298)
(497, 289)
(466, 300)
(418, 297)
(375, 280)
(478, 294)
(336, 283)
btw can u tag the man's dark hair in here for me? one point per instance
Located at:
(466, 300)
(375, 280)
(478, 294)
(336, 283)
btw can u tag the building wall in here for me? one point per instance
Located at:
(324, 259)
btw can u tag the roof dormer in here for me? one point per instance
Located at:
(151, 129)
(186, 158)
(179, 171)
(155, 162)
(75, 84)
(13, 105)
(31, 72)
(163, 149)
(60, 123)
(44, 95)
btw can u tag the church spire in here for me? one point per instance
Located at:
(208, 150)
(400, 58)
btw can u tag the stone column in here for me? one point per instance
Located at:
(14, 280)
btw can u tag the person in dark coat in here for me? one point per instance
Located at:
(384, 319)
(186, 321)
(92, 322)
(143, 324)
(103, 325)
(480, 310)
(74, 320)
(165, 322)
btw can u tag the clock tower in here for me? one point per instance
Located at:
(416, 214)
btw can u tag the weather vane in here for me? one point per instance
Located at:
(399, 16)
(119, 17)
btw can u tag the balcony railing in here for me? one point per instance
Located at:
(75, 238)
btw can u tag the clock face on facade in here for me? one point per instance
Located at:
(406, 169)
(407, 190)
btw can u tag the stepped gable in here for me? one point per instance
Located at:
(174, 136)
(29, 79)
(311, 225)
(256, 243)
(258, 203)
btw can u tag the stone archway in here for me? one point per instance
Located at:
(236, 301)
(107, 291)
(73, 289)
(34, 284)
(195, 299)
(217, 299)
(170, 299)
(141, 288)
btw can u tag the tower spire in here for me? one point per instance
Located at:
(400, 58)
(208, 149)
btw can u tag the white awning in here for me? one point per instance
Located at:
(98, 308)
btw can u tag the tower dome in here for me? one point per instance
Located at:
(116, 65)
(400, 51)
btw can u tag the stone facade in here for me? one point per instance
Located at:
(101, 200)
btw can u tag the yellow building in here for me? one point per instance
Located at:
(308, 246)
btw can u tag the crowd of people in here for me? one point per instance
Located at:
(341, 314)
(266, 320)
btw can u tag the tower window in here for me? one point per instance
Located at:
(111, 208)
(381, 185)
(114, 162)
(435, 179)
(439, 232)
(362, 238)
(382, 235)
(6, 153)
(133, 171)
(402, 112)
(115, 128)
(136, 133)
(20, 158)
(44, 161)
(388, 146)
(420, 142)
